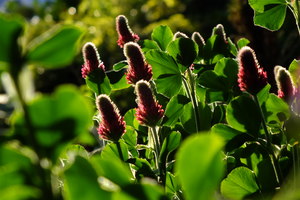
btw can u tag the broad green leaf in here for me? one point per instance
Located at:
(171, 142)
(162, 63)
(98, 82)
(148, 45)
(23, 192)
(142, 168)
(117, 79)
(271, 19)
(243, 114)
(277, 109)
(225, 131)
(228, 68)
(57, 120)
(146, 190)
(239, 184)
(120, 65)
(259, 5)
(294, 69)
(112, 150)
(174, 109)
(210, 79)
(11, 28)
(242, 42)
(55, 48)
(263, 94)
(162, 35)
(199, 166)
(169, 85)
(188, 119)
(80, 182)
(165, 72)
(113, 169)
(183, 50)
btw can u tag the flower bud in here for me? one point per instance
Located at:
(286, 89)
(91, 59)
(197, 37)
(138, 68)
(124, 31)
(251, 77)
(219, 30)
(179, 34)
(112, 124)
(148, 112)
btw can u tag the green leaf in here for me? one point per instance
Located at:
(165, 72)
(228, 68)
(111, 151)
(11, 28)
(183, 50)
(200, 177)
(80, 182)
(271, 19)
(113, 169)
(225, 131)
(98, 82)
(260, 5)
(263, 94)
(277, 109)
(239, 184)
(117, 80)
(174, 109)
(120, 65)
(57, 120)
(243, 114)
(142, 168)
(294, 69)
(162, 63)
(163, 36)
(171, 142)
(148, 45)
(55, 48)
(172, 187)
(210, 79)
(242, 42)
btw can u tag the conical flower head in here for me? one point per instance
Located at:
(286, 89)
(112, 124)
(149, 111)
(138, 68)
(197, 37)
(124, 32)
(91, 59)
(251, 77)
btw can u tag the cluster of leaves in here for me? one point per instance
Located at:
(213, 139)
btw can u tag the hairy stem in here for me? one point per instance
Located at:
(269, 148)
(157, 147)
(189, 87)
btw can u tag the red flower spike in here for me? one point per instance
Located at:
(91, 59)
(197, 37)
(112, 124)
(148, 112)
(124, 31)
(138, 69)
(286, 89)
(251, 77)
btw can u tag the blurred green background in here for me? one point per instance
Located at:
(97, 18)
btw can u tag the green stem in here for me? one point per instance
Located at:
(296, 14)
(44, 174)
(157, 147)
(269, 148)
(190, 90)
